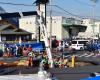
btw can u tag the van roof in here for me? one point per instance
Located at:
(80, 40)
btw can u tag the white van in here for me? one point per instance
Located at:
(78, 44)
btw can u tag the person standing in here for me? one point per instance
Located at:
(29, 48)
(19, 51)
(16, 50)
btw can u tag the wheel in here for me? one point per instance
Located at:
(81, 49)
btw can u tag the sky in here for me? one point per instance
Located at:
(82, 8)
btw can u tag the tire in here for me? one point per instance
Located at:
(81, 49)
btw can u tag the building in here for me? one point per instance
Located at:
(93, 28)
(62, 27)
(72, 27)
(2, 10)
(56, 26)
(9, 32)
(97, 28)
(9, 26)
(28, 23)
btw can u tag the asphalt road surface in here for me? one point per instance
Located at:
(62, 74)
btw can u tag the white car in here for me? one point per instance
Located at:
(78, 44)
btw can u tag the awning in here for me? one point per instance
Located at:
(74, 25)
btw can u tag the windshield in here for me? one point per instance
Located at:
(74, 42)
(82, 42)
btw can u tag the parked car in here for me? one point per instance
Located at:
(79, 44)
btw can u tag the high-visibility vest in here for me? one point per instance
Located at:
(31, 54)
(45, 61)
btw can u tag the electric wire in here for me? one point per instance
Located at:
(68, 12)
(35, 5)
(83, 3)
(17, 4)
(57, 6)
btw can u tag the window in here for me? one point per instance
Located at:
(3, 38)
(74, 42)
(26, 22)
(80, 29)
(82, 42)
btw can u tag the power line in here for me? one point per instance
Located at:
(67, 11)
(81, 2)
(35, 5)
(55, 11)
(48, 5)
(17, 4)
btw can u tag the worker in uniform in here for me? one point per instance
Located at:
(30, 58)
(45, 61)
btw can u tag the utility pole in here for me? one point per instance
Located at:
(42, 23)
(99, 30)
(41, 6)
(37, 23)
(50, 25)
(93, 25)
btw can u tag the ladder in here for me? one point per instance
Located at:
(41, 24)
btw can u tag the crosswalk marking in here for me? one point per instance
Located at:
(96, 55)
(68, 56)
(89, 55)
(82, 55)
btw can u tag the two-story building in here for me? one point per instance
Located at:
(9, 32)
(62, 27)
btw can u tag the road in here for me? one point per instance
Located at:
(62, 74)
(75, 73)
(78, 54)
